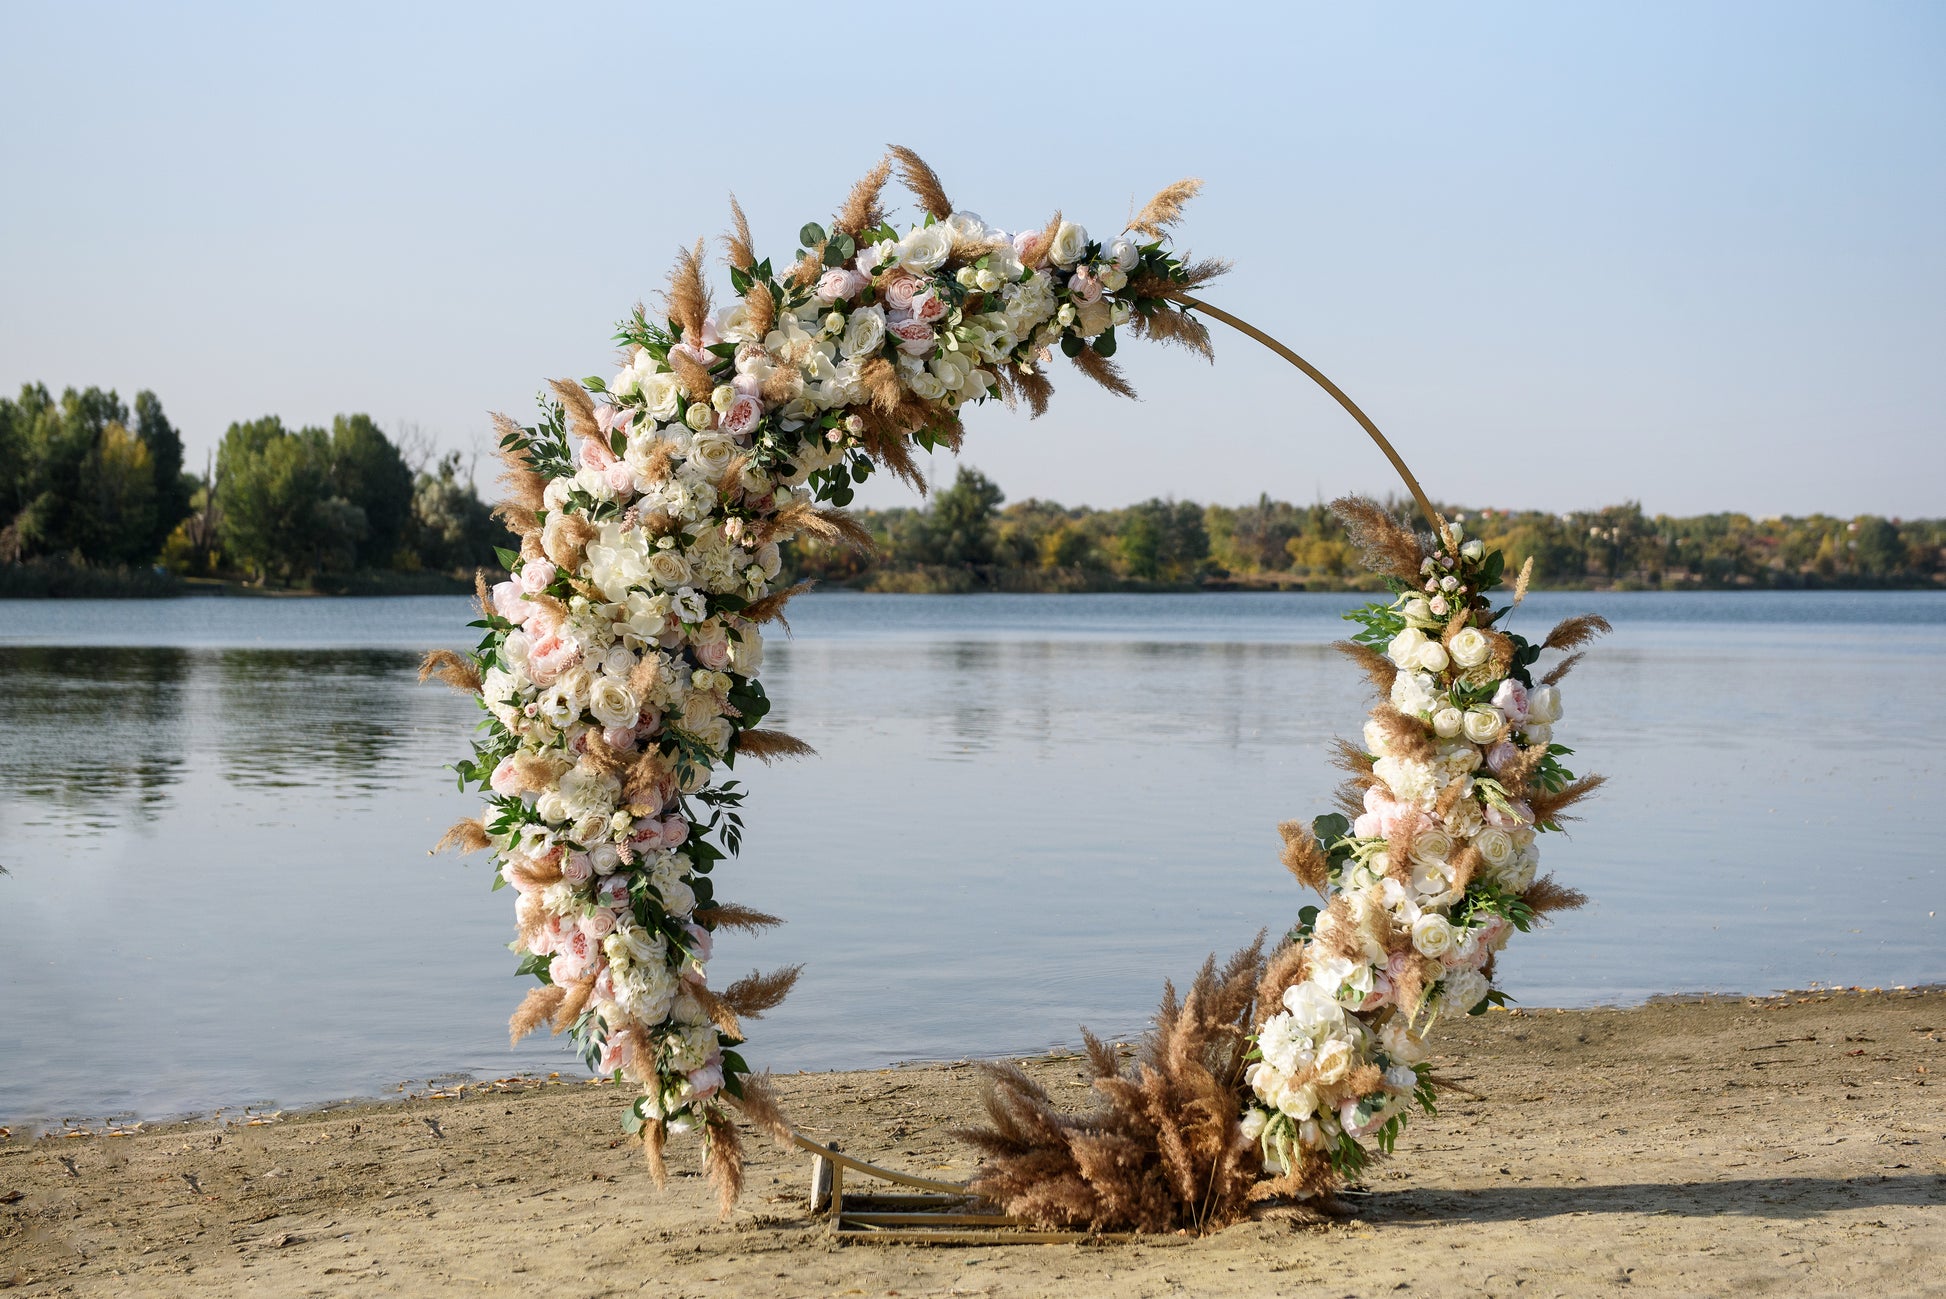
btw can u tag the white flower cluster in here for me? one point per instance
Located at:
(1425, 886)
(620, 666)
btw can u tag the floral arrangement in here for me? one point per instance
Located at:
(619, 665)
(1458, 776)
(1280, 1076)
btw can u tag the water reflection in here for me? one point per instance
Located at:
(90, 738)
(332, 719)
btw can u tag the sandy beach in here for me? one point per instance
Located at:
(1786, 1145)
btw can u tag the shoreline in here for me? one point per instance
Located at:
(1688, 1145)
(454, 1084)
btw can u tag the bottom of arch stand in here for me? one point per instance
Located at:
(933, 1213)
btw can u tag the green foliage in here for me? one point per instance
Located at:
(369, 475)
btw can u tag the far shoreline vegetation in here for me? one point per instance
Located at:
(95, 502)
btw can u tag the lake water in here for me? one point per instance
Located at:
(1026, 813)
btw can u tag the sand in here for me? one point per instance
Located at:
(1790, 1145)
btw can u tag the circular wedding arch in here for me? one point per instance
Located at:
(619, 667)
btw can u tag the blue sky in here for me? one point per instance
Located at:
(1565, 255)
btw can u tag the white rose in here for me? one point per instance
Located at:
(1469, 647)
(711, 455)
(669, 568)
(1406, 647)
(1374, 739)
(926, 248)
(1432, 935)
(1333, 1061)
(1430, 847)
(662, 393)
(1474, 549)
(555, 495)
(552, 808)
(699, 416)
(498, 687)
(1483, 723)
(1125, 254)
(1070, 242)
(770, 559)
(1447, 722)
(1252, 1124)
(1544, 705)
(1496, 846)
(1432, 657)
(864, 332)
(1538, 734)
(612, 703)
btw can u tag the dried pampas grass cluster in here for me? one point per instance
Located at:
(1164, 1149)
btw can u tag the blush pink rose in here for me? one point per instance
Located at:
(576, 958)
(915, 336)
(599, 923)
(1348, 1117)
(740, 420)
(702, 942)
(612, 892)
(1501, 756)
(1380, 994)
(620, 479)
(675, 831)
(1084, 287)
(618, 1052)
(508, 604)
(550, 657)
(840, 285)
(694, 353)
(1511, 699)
(535, 576)
(619, 737)
(610, 418)
(712, 654)
(705, 1082)
(595, 454)
(577, 869)
(929, 307)
(1027, 244)
(502, 780)
(1520, 814)
(1369, 826)
(899, 290)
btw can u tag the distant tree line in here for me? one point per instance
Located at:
(94, 498)
(968, 539)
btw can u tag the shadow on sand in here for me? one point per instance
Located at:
(1770, 1197)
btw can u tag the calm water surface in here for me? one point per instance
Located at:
(1027, 812)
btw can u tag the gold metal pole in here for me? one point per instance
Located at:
(1317, 376)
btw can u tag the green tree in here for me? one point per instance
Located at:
(452, 529)
(280, 514)
(368, 472)
(961, 521)
(116, 521)
(172, 486)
